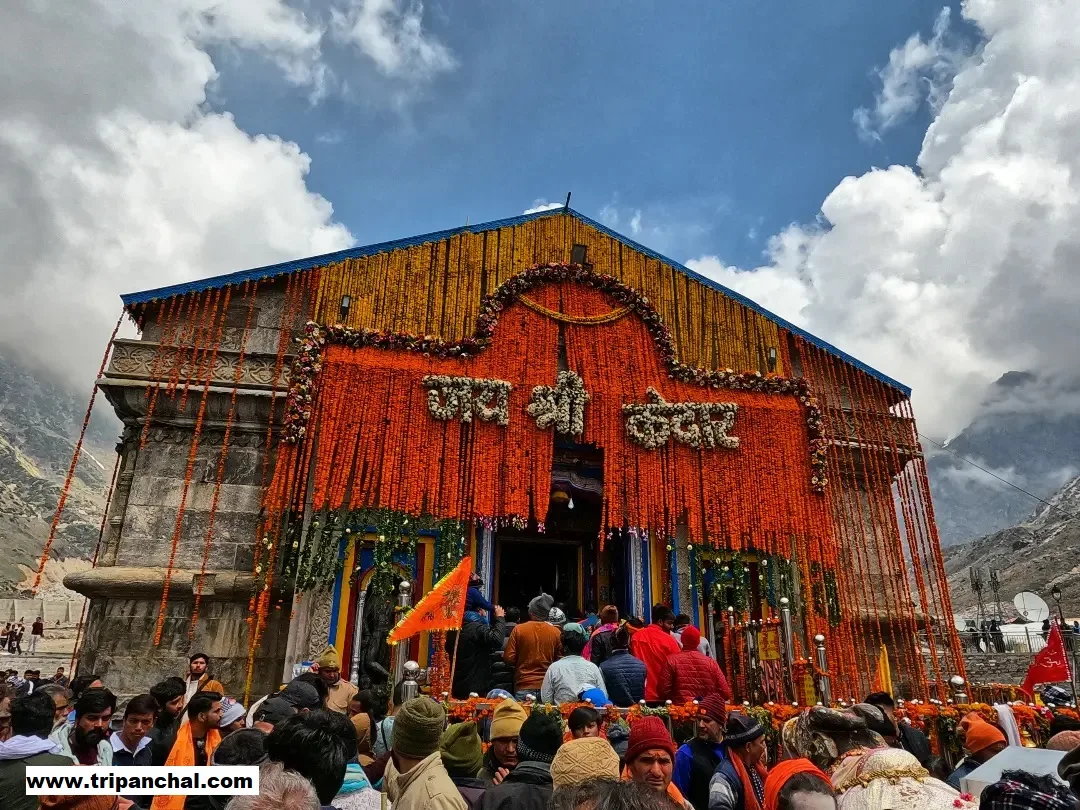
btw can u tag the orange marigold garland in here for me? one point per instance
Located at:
(250, 293)
(192, 455)
(66, 489)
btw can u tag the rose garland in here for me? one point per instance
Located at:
(309, 358)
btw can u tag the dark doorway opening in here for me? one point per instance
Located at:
(528, 566)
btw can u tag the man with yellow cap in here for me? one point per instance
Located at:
(502, 755)
(328, 665)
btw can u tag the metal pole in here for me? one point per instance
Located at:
(751, 659)
(401, 651)
(357, 636)
(959, 696)
(789, 647)
(823, 664)
(410, 687)
(710, 628)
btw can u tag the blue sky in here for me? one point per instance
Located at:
(720, 122)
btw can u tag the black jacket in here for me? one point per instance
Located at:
(624, 676)
(527, 787)
(163, 735)
(471, 789)
(914, 742)
(600, 647)
(473, 670)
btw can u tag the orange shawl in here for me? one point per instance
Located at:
(779, 776)
(750, 800)
(183, 753)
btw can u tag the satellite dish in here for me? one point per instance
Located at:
(1031, 606)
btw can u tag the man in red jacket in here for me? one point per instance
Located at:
(689, 674)
(652, 645)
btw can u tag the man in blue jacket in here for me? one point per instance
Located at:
(696, 760)
(624, 675)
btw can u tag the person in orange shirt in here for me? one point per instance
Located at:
(652, 646)
(532, 647)
(650, 758)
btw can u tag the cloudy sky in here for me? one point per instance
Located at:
(900, 178)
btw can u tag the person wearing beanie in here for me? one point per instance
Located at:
(982, 742)
(598, 650)
(689, 674)
(463, 757)
(583, 759)
(328, 666)
(650, 758)
(533, 646)
(739, 781)
(529, 786)
(502, 757)
(571, 675)
(682, 621)
(653, 645)
(696, 760)
(415, 778)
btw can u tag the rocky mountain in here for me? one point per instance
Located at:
(1033, 555)
(39, 424)
(1027, 430)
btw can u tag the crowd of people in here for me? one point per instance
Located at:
(324, 743)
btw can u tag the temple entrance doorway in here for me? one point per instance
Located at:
(565, 559)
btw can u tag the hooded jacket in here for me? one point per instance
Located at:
(689, 674)
(426, 787)
(653, 645)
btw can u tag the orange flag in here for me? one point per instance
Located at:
(442, 608)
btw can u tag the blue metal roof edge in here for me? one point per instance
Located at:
(270, 271)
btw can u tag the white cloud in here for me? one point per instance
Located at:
(391, 34)
(542, 205)
(115, 177)
(948, 274)
(917, 70)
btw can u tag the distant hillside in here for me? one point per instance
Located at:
(1028, 432)
(39, 424)
(1034, 555)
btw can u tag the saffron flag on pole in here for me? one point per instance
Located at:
(883, 676)
(441, 608)
(1050, 665)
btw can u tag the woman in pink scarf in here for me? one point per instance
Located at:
(599, 647)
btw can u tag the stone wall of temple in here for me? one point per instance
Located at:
(138, 550)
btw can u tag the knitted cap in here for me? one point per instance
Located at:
(507, 718)
(540, 606)
(540, 737)
(329, 659)
(417, 728)
(462, 752)
(1064, 741)
(647, 733)
(691, 638)
(584, 759)
(978, 734)
(742, 729)
(574, 627)
(301, 694)
(715, 708)
(231, 711)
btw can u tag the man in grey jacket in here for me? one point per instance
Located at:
(86, 741)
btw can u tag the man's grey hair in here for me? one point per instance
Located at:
(54, 689)
(278, 789)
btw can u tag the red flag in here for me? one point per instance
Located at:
(442, 608)
(1050, 665)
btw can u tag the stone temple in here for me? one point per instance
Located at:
(576, 412)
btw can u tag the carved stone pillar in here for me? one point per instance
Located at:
(114, 526)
